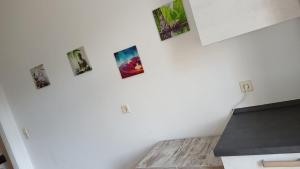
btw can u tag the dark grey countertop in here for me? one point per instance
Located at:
(266, 129)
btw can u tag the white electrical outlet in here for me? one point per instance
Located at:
(246, 86)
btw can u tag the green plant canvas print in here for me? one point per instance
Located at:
(171, 20)
(79, 61)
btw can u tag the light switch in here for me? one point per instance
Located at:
(125, 108)
(26, 133)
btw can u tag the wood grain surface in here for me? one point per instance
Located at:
(190, 153)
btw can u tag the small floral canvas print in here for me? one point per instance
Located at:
(39, 76)
(129, 62)
(79, 61)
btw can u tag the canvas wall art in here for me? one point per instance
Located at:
(79, 61)
(129, 62)
(39, 76)
(171, 20)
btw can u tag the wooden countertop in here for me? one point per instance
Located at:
(195, 153)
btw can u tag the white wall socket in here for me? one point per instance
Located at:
(246, 86)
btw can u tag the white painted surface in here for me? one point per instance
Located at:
(11, 136)
(219, 20)
(186, 90)
(255, 162)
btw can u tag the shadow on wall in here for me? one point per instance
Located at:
(178, 51)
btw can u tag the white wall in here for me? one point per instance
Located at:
(11, 136)
(187, 90)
